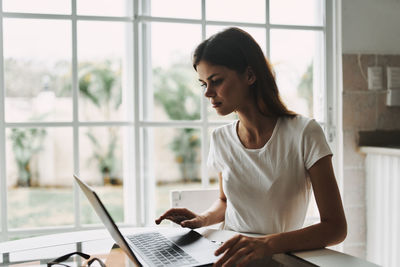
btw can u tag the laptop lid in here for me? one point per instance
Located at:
(194, 244)
(106, 219)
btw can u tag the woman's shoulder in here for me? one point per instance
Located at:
(296, 123)
(225, 130)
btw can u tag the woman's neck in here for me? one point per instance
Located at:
(255, 129)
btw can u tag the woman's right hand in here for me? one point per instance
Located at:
(183, 217)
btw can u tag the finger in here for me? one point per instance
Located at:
(173, 212)
(246, 260)
(192, 224)
(176, 218)
(159, 220)
(237, 256)
(234, 253)
(228, 244)
(162, 217)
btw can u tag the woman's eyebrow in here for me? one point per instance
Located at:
(209, 77)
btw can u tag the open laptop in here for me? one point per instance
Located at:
(177, 247)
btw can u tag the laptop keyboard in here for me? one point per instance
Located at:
(160, 250)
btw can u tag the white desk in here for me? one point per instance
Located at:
(319, 257)
(40, 250)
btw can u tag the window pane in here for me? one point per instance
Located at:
(237, 11)
(101, 156)
(38, 6)
(306, 12)
(190, 9)
(172, 161)
(297, 57)
(176, 91)
(39, 177)
(37, 62)
(103, 54)
(117, 8)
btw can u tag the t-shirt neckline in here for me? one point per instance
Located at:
(256, 149)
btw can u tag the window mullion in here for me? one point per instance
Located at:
(128, 158)
(75, 120)
(329, 79)
(205, 181)
(203, 19)
(333, 105)
(136, 82)
(3, 183)
(63, 17)
(147, 141)
(267, 30)
(330, 82)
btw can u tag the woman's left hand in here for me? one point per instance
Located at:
(241, 250)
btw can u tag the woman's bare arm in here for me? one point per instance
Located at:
(331, 230)
(216, 213)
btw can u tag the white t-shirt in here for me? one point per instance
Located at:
(268, 189)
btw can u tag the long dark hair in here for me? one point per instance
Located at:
(237, 50)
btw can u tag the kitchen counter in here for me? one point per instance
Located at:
(387, 150)
(380, 139)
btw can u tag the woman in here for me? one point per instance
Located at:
(267, 160)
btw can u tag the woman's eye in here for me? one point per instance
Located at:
(216, 82)
(203, 86)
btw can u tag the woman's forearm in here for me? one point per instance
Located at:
(312, 237)
(216, 213)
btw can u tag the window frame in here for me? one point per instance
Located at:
(139, 68)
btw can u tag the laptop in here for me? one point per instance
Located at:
(169, 247)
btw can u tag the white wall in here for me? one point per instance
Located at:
(371, 26)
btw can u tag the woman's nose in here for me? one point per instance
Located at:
(209, 91)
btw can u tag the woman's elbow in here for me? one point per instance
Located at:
(342, 232)
(338, 232)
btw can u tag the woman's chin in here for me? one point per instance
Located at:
(222, 112)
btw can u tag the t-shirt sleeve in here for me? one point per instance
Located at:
(213, 160)
(315, 145)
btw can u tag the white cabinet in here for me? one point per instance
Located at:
(383, 205)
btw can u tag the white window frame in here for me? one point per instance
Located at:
(134, 182)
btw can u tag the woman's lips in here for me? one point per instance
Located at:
(216, 104)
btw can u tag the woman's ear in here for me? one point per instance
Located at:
(251, 77)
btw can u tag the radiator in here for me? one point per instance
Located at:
(383, 205)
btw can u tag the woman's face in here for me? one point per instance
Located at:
(226, 89)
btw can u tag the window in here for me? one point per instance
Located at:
(106, 89)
